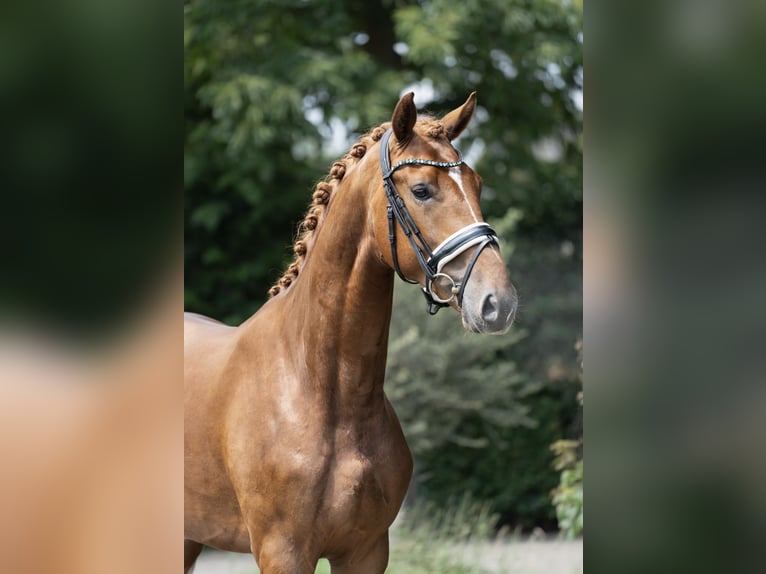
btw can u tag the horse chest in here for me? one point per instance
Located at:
(360, 491)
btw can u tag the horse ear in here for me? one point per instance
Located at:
(458, 119)
(404, 117)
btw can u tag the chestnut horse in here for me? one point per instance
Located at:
(292, 450)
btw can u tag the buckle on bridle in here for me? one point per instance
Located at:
(454, 288)
(433, 301)
(432, 305)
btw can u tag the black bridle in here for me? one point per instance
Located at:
(431, 261)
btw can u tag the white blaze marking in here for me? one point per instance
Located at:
(454, 173)
(457, 177)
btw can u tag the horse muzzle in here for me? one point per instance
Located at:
(487, 308)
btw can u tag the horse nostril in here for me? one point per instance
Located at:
(489, 308)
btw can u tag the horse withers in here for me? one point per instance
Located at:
(292, 450)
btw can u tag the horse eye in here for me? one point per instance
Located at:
(421, 192)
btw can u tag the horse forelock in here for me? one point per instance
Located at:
(430, 127)
(324, 189)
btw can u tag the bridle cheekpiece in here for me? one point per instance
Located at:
(431, 261)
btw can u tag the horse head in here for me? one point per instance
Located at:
(427, 221)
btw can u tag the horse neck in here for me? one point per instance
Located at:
(341, 302)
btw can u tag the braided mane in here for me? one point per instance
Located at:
(325, 188)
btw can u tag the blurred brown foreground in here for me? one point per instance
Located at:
(90, 444)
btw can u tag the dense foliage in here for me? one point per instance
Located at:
(275, 91)
(568, 495)
(481, 412)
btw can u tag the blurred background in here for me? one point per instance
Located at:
(274, 92)
(91, 413)
(675, 189)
